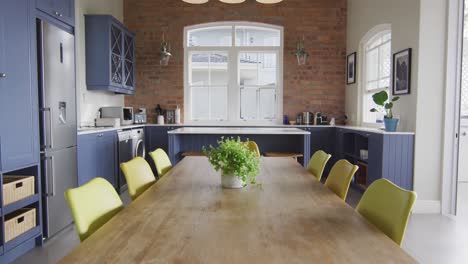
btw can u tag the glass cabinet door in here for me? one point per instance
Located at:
(129, 61)
(116, 55)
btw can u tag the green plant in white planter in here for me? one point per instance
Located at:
(382, 99)
(236, 162)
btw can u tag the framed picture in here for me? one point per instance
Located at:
(402, 72)
(351, 68)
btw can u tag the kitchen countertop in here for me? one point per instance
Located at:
(90, 130)
(240, 131)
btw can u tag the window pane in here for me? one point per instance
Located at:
(200, 103)
(210, 37)
(257, 36)
(384, 83)
(385, 55)
(372, 65)
(218, 103)
(374, 43)
(267, 103)
(248, 69)
(199, 69)
(267, 69)
(219, 68)
(248, 103)
(370, 117)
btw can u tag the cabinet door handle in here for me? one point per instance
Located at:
(58, 14)
(2, 75)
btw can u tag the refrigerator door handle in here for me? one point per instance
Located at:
(48, 135)
(50, 191)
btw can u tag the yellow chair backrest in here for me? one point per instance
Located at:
(138, 175)
(161, 161)
(253, 147)
(92, 205)
(340, 177)
(317, 164)
(388, 207)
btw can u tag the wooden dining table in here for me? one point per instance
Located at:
(287, 217)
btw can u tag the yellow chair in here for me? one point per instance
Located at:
(92, 205)
(388, 207)
(340, 176)
(253, 147)
(138, 175)
(317, 164)
(161, 161)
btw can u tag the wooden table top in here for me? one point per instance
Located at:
(186, 217)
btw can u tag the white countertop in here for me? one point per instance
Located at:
(239, 131)
(90, 130)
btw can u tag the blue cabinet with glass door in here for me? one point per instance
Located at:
(97, 157)
(110, 55)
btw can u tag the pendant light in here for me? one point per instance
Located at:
(269, 1)
(165, 52)
(232, 1)
(195, 1)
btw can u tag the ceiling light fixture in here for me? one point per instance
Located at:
(232, 1)
(195, 1)
(269, 1)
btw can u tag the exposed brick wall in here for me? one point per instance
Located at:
(317, 86)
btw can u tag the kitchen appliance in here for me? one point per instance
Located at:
(170, 116)
(318, 118)
(125, 154)
(58, 128)
(107, 122)
(140, 117)
(138, 142)
(307, 118)
(124, 113)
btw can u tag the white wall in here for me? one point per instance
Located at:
(90, 101)
(430, 102)
(403, 16)
(422, 26)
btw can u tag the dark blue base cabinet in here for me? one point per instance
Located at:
(390, 155)
(97, 157)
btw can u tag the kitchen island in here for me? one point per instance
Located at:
(192, 139)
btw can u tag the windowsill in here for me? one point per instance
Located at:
(373, 125)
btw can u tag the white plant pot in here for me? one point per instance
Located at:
(231, 182)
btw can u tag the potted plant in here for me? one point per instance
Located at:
(236, 162)
(382, 99)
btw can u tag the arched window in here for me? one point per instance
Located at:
(233, 72)
(376, 49)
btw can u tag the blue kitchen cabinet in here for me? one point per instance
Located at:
(97, 157)
(87, 158)
(63, 10)
(390, 155)
(19, 128)
(110, 55)
(322, 138)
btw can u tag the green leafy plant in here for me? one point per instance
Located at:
(382, 99)
(233, 157)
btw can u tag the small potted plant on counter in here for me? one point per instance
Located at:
(382, 99)
(236, 162)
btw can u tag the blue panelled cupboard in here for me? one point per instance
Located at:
(97, 157)
(63, 10)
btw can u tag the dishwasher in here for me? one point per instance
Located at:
(125, 154)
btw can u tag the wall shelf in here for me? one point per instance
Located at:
(10, 208)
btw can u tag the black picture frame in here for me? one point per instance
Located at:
(401, 78)
(351, 61)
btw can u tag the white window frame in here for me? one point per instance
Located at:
(374, 33)
(233, 93)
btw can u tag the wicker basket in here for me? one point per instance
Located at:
(19, 222)
(16, 188)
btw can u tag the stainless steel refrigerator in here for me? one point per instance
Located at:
(56, 53)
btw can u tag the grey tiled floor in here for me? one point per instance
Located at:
(429, 239)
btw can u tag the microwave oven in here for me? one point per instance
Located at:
(124, 113)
